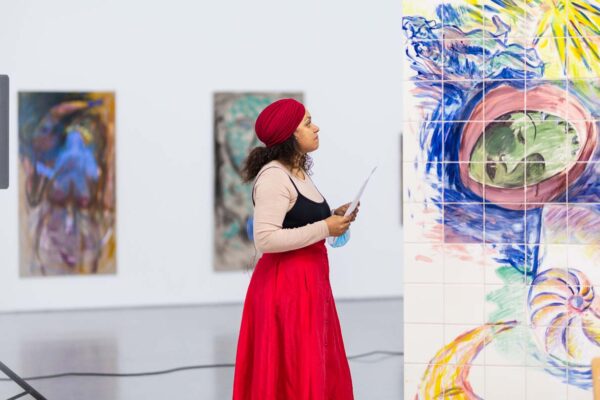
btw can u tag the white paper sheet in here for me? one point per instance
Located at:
(354, 204)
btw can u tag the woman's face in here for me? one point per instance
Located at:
(307, 135)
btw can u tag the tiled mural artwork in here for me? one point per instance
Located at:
(502, 198)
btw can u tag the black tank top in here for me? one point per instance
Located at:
(304, 211)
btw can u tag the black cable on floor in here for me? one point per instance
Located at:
(168, 371)
(372, 353)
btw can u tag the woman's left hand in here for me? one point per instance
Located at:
(341, 210)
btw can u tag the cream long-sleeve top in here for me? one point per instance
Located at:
(274, 196)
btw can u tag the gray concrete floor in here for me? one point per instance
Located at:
(149, 339)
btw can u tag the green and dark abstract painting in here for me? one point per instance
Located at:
(234, 136)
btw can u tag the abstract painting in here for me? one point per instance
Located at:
(67, 183)
(234, 118)
(502, 198)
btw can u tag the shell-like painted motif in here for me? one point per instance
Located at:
(563, 311)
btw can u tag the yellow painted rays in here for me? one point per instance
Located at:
(570, 27)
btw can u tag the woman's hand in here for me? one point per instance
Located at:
(338, 224)
(341, 210)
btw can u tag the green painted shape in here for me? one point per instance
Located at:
(523, 149)
(509, 306)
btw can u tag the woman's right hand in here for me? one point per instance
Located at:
(337, 224)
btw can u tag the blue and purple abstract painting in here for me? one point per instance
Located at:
(67, 206)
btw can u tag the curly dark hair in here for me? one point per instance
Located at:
(286, 153)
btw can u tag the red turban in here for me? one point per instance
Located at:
(276, 123)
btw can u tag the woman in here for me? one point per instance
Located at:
(290, 345)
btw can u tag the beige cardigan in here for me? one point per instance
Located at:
(274, 196)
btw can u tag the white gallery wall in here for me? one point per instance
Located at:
(164, 60)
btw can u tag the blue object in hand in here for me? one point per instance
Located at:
(339, 241)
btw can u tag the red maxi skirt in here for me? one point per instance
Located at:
(290, 345)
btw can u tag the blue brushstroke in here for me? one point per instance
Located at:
(577, 375)
(75, 167)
